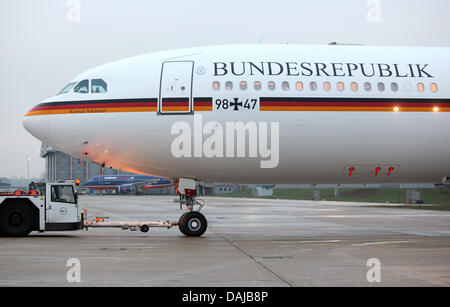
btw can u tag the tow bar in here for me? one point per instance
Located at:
(99, 222)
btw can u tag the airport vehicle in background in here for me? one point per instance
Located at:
(54, 207)
(127, 183)
(260, 114)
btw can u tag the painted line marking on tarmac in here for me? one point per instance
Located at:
(381, 243)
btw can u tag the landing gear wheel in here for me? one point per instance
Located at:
(193, 224)
(16, 220)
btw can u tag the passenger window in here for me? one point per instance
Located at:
(420, 87)
(367, 86)
(394, 86)
(98, 86)
(82, 87)
(340, 86)
(257, 85)
(216, 85)
(243, 85)
(299, 86)
(407, 87)
(229, 85)
(271, 85)
(285, 85)
(380, 86)
(327, 86)
(354, 86)
(313, 86)
(433, 87)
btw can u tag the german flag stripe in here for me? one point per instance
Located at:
(103, 101)
(266, 104)
(203, 104)
(176, 99)
(355, 109)
(176, 104)
(96, 106)
(90, 110)
(353, 104)
(343, 99)
(175, 109)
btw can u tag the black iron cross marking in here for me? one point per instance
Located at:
(236, 104)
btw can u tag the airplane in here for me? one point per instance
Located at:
(259, 114)
(126, 183)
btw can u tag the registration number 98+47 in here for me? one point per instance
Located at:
(236, 104)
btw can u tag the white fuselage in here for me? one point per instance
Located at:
(310, 116)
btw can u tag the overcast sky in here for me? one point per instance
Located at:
(45, 43)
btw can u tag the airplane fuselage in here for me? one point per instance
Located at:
(262, 114)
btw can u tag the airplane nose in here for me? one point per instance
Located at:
(36, 122)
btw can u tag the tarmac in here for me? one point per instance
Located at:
(249, 242)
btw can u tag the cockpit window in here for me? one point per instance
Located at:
(67, 88)
(82, 87)
(98, 86)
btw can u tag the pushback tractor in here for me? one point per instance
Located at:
(54, 207)
(48, 207)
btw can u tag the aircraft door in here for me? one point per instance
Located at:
(175, 93)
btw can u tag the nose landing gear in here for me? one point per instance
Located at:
(192, 223)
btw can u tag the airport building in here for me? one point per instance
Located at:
(263, 190)
(61, 166)
(4, 184)
(221, 188)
